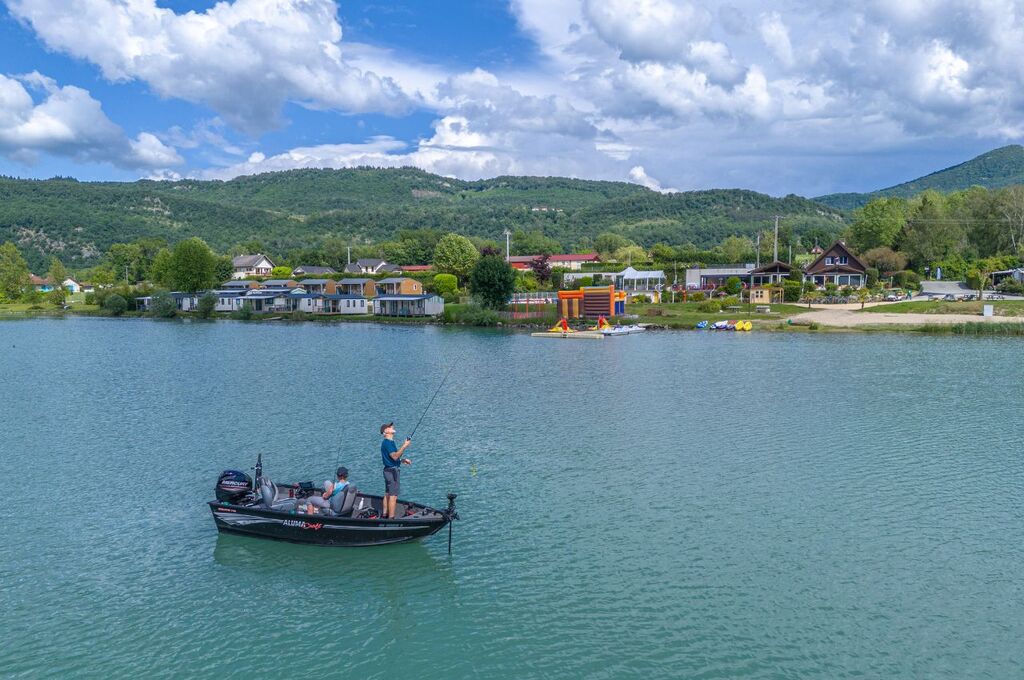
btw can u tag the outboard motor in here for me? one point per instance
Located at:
(233, 485)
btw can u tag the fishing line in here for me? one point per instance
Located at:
(436, 392)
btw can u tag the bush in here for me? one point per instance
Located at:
(90, 298)
(906, 279)
(163, 306)
(872, 275)
(709, 307)
(1010, 287)
(733, 285)
(473, 315)
(696, 297)
(207, 305)
(791, 291)
(243, 314)
(115, 304)
(976, 280)
(447, 286)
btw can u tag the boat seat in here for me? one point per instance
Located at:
(269, 497)
(341, 505)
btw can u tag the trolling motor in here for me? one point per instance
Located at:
(450, 513)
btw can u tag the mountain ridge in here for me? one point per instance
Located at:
(77, 221)
(993, 170)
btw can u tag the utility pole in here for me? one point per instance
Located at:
(508, 244)
(126, 273)
(791, 253)
(775, 257)
(757, 250)
(675, 279)
(348, 258)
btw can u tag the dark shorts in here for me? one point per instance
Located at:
(391, 486)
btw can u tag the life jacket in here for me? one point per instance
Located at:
(338, 486)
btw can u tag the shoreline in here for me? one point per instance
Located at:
(814, 320)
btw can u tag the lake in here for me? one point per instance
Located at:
(763, 505)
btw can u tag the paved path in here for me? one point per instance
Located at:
(847, 317)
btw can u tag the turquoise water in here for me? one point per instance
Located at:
(666, 505)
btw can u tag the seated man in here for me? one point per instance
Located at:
(331, 490)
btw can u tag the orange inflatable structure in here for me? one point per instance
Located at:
(591, 302)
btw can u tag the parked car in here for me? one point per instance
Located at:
(949, 297)
(970, 298)
(893, 297)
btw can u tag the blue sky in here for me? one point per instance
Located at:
(782, 97)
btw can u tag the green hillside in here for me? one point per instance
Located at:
(998, 168)
(287, 210)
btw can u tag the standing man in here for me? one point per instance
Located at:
(391, 456)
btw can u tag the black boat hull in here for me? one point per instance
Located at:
(320, 529)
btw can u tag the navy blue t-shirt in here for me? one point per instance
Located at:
(387, 447)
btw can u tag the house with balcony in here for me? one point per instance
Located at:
(320, 286)
(837, 265)
(408, 305)
(399, 286)
(251, 265)
(363, 287)
(769, 274)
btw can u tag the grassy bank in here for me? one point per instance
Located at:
(974, 329)
(688, 314)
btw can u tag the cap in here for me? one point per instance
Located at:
(385, 426)
(343, 471)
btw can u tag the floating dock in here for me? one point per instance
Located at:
(578, 335)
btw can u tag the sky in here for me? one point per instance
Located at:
(782, 97)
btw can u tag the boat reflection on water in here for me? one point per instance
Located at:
(387, 564)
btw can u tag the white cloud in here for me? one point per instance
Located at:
(638, 175)
(69, 122)
(702, 98)
(647, 29)
(776, 38)
(244, 59)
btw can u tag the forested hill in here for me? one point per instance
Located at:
(998, 168)
(77, 221)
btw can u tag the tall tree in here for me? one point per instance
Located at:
(493, 281)
(193, 266)
(931, 235)
(541, 269)
(886, 260)
(160, 269)
(608, 242)
(57, 275)
(126, 259)
(878, 224)
(456, 255)
(737, 249)
(14, 273)
(1011, 207)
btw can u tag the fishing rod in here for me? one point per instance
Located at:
(436, 392)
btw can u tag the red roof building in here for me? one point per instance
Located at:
(572, 261)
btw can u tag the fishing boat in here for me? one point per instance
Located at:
(266, 509)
